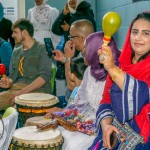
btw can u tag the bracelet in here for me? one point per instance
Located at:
(116, 73)
(65, 59)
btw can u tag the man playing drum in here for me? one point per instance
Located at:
(30, 66)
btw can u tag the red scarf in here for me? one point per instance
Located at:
(141, 70)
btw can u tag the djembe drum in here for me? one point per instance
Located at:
(33, 104)
(30, 138)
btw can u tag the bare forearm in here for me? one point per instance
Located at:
(106, 121)
(36, 84)
(117, 75)
(70, 84)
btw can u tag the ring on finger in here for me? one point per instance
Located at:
(103, 57)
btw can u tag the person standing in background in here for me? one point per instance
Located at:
(73, 10)
(5, 27)
(42, 17)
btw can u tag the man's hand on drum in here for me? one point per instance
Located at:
(12, 98)
(51, 111)
(106, 57)
(6, 82)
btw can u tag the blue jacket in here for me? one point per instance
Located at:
(5, 55)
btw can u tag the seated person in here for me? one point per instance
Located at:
(124, 99)
(77, 69)
(89, 94)
(79, 30)
(29, 68)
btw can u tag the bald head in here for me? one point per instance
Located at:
(83, 27)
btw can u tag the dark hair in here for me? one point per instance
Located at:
(77, 67)
(93, 44)
(146, 16)
(24, 24)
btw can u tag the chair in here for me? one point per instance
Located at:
(7, 127)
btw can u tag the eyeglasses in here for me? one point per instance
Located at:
(71, 37)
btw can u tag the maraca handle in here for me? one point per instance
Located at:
(105, 43)
(4, 76)
(106, 40)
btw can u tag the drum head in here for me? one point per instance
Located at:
(31, 135)
(36, 100)
(33, 121)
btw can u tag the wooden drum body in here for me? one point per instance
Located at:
(33, 104)
(30, 138)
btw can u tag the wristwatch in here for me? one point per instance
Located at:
(65, 59)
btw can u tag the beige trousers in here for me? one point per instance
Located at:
(5, 95)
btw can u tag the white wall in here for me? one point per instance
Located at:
(21, 8)
(13, 9)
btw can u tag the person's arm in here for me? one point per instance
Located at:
(36, 84)
(56, 26)
(108, 129)
(134, 95)
(65, 58)
(106, 93)
(69, 53)
(60, 20)
(107, 59)
(70, 83)
(126, 87)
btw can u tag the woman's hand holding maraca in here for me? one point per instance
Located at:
(106, 58)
